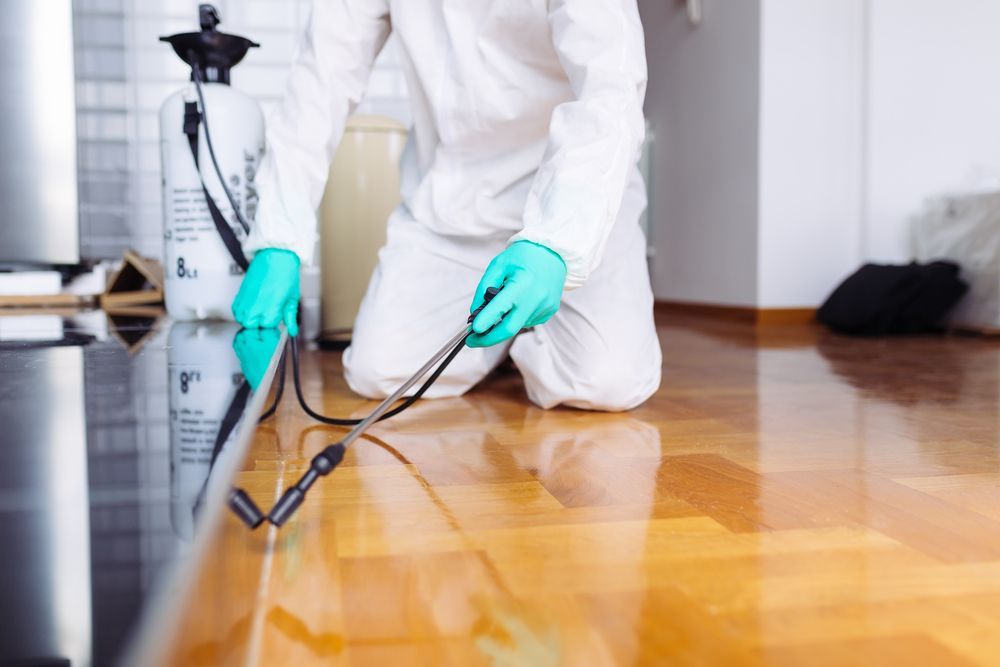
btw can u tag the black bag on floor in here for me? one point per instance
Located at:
(884, 299)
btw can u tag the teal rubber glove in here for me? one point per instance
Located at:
(269, 293)
(254, 348)
(532, 277)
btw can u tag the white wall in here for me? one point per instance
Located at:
(933, 110)
(851, 114)
(702, 105)
(811, 148)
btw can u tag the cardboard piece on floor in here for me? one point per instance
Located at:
(139, 282)
(46, 301)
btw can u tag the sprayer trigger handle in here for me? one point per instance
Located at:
(490, 293)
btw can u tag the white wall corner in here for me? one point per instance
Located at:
(933, 110)
(812, 165)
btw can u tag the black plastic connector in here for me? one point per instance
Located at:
(321, 465)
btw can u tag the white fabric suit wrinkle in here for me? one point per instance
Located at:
(586, 80)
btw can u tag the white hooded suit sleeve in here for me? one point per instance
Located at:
(325, 85)
(594, 139)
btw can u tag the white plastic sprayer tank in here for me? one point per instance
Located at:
(201, 276)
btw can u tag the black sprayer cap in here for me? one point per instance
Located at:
(213, 51)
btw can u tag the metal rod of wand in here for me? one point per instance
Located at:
(384, 406)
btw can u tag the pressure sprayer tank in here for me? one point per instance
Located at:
(201, 274)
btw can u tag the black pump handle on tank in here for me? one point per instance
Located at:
(215, 52)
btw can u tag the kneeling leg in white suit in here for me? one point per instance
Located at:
(599, 351)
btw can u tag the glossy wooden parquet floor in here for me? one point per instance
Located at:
(789, 497)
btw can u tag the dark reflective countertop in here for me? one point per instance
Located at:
(108, 452)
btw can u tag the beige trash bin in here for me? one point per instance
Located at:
(362, 190)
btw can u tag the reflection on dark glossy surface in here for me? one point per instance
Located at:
(106, 446)
(204, 379)
(46, 608)
(873, 366)
(254, 349)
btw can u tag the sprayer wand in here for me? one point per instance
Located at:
(324, 463)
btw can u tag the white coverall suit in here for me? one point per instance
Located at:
(527, 126)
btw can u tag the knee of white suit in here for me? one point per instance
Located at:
(375, 374)
(369, 373)
(604, 385)
(360, 374)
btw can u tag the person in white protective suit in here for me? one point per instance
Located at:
(520, 171)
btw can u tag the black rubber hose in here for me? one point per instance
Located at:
(391, 413)
(196, 70)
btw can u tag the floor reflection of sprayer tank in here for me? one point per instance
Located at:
(203, 376)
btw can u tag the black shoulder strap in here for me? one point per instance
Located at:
(192, 119)
(226, 426)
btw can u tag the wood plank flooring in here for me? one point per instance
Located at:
(789, 497)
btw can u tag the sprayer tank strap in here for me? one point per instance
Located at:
(192, 119)
(232, 417)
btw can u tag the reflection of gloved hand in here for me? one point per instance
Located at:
(254, 348)
(269, 293)
(532, 277)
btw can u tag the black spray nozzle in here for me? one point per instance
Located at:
(245, 508)
(321, 465)
(286, 506)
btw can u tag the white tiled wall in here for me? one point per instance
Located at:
(123, 75)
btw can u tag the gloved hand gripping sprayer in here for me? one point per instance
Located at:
(218, 51)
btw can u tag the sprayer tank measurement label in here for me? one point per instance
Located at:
(190, 216)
